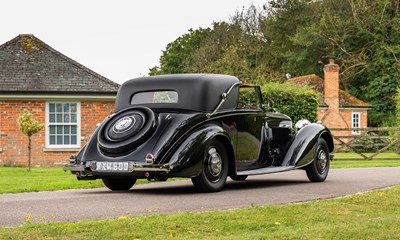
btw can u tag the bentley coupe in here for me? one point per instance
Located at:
(200, 126)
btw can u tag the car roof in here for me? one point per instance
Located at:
(198, 92)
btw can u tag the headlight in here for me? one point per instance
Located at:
(285, 124)
(301, 123)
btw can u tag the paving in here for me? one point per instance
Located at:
(180, 196)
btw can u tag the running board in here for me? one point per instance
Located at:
(264, 170)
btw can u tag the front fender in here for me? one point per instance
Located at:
(302, 148)
(186, 160)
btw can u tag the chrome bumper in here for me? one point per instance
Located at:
(132, 167)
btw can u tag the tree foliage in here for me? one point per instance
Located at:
(363, 37)
(297, 37)
(236, 48)
(178, 55)
(27, 125)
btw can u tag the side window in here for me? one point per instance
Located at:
(248, 98)
(355, 122)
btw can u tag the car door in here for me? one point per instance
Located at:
(251, 132)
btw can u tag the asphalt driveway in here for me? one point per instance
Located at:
(180, 196)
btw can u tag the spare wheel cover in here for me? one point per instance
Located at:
(126, 130)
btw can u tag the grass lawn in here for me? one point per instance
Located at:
(364, 163)
(374, 215)
(18, 179)
(349, 156)
(344, 160)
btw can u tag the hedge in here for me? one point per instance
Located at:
(298, 102)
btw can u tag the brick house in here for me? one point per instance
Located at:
(68, 98)
(337, 108)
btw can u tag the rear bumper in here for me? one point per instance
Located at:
(90, 167)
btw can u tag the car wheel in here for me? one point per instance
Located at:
(118, 184)
(214, 170)
(126, 130)
(238, 177)
(318, 170)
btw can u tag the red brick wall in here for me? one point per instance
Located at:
(13, 144)
(342, 120)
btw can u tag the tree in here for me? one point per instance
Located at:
(283, 20)
(178, 54)
(362, 36)
(298, 37)
(29, 127)
(236, 47)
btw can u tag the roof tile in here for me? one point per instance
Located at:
(29, 65)
(317, 83)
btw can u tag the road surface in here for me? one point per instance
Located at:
(180, 196)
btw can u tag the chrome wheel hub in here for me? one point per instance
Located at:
(214, 162)
(322, 160)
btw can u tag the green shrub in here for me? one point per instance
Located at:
(367, 145)
(298, 102)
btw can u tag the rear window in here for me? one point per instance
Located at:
(155, 97)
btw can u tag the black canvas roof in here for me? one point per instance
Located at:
(198, 92)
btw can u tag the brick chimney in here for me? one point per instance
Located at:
(331, 86)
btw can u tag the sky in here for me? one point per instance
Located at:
(119, 39)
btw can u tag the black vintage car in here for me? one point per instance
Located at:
(201, 126)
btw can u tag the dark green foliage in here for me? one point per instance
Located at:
(286, 19)
(362, 36)
(382, 88)
(292, 100)
(295, 101)
(178, 54)
(367, 145)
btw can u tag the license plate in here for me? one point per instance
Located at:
(112, 166)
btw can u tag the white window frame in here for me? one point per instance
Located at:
(353, 122)
(78, 124)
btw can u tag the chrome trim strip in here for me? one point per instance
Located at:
(264, 170)
(223, 98)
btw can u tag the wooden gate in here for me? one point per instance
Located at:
(368, 143)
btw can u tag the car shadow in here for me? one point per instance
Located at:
(160, 189)
(187, 189)
(269, 183)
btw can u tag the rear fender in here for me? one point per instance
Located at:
(186, 160)
(302, 149)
